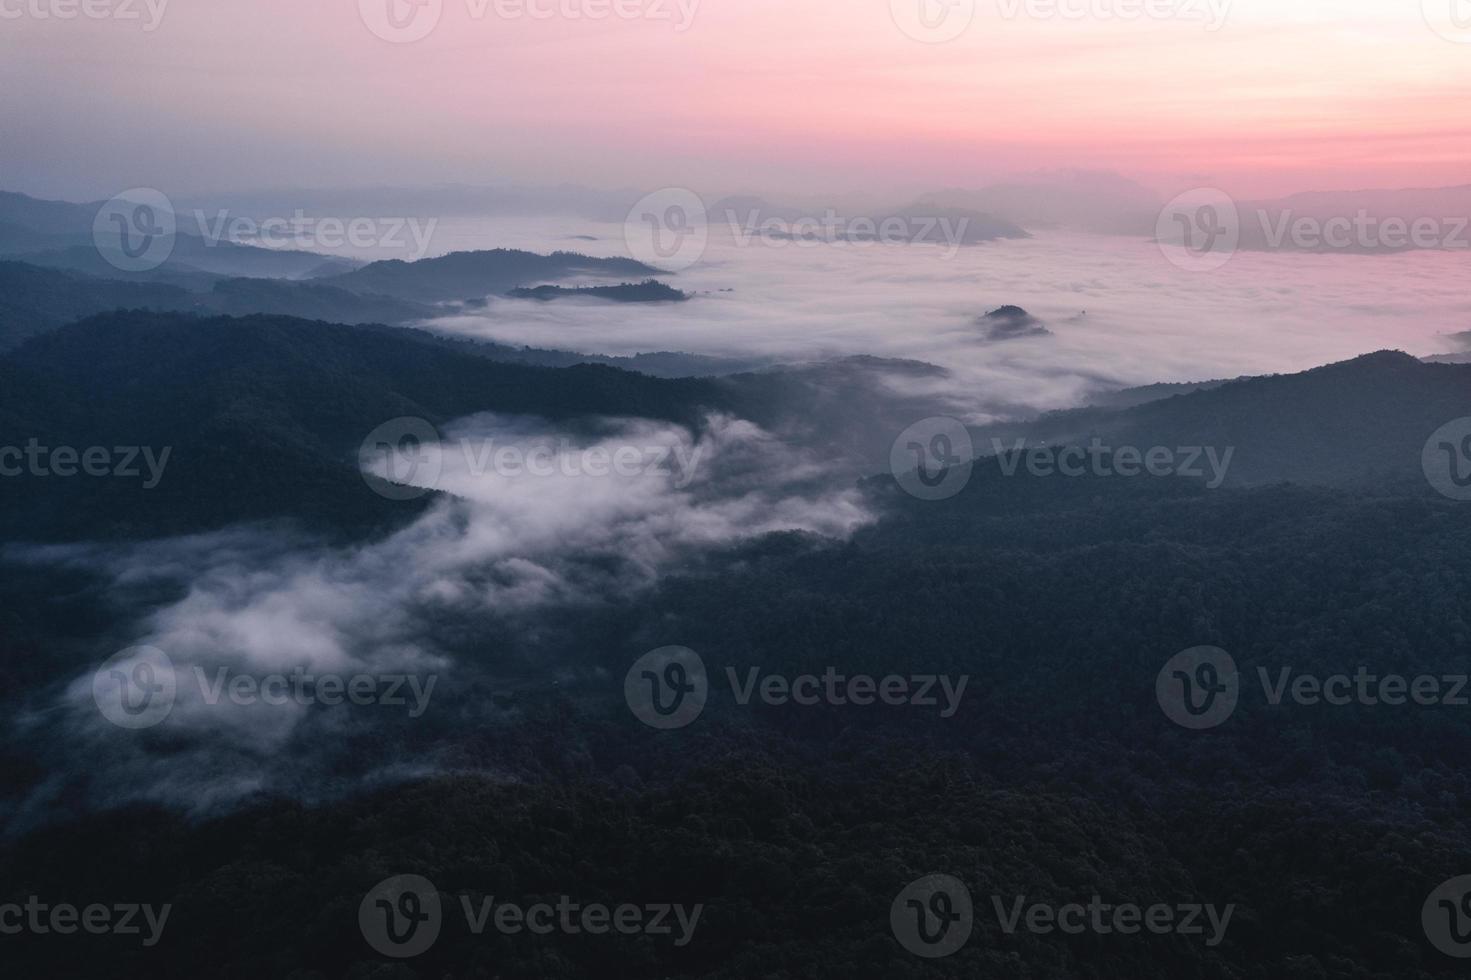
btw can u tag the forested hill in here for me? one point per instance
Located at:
(265, 415)
(475, 275)
(1356, 422)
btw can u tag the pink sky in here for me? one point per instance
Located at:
(771, 95)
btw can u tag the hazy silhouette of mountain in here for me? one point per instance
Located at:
(1129, 397)
(1358, 422)
(648, 291)
(59, 234)
(925, 221)
(34, 300)
(310, 301)
(1094, 201)
(474, 275)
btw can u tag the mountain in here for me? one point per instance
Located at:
(34, 300)
(925, 221)
(59, 234)
(1011, 323)
(475, 275)
(310, 301)
(648, 291)
(1100, 202)
(1359, 422)
(263, 416)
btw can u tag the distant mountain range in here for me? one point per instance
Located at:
(1106, 203)
(59, 234)
(463, 276)
(924, 221)
(648, 291)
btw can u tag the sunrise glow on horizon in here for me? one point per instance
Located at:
(825, 95)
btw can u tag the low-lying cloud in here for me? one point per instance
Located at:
(268, 603)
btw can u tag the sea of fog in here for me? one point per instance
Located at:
(1120, 313)
(514, 551)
